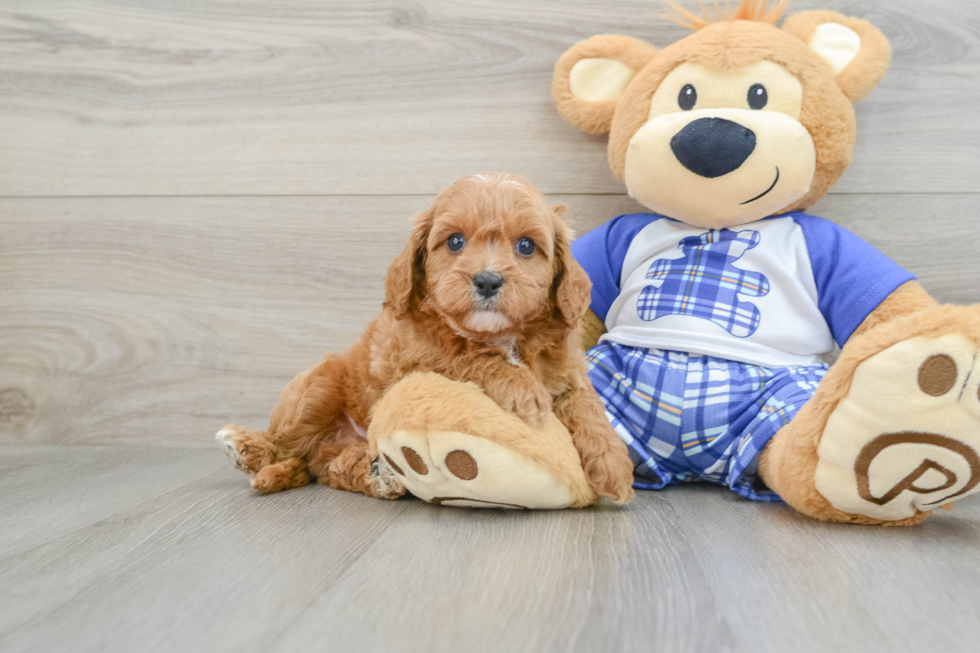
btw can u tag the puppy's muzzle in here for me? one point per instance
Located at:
(487, 284)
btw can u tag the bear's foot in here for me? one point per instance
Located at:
(449, 444)
(905, 439)
(460, 469)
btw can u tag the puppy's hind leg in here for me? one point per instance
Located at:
(246, 450)
(307, 414)
(253, 454)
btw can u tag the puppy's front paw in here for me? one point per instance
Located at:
(531, 404)
(383, 483)
(611, 474)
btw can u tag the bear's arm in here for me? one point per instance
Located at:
(908, 298)
(592, 330)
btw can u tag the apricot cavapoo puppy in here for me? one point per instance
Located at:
(485, 291)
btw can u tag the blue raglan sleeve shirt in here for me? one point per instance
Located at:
(601, 253)
(852, 276)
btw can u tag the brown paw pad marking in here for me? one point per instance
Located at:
(462, 465)
(393, 465)
(415, 461)
(882, 442)
(937, 375)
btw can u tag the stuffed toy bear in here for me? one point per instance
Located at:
(713, 313)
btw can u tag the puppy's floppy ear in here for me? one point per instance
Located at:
(405, 280)
(571, 287)
(856, 50)
(592, 75)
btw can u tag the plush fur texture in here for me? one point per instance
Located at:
(868, 68)
(595, 117)
(592, 329)
(908, 298)
(756, 10)
(527, 358)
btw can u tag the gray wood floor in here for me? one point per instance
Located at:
(150, 549)
(200, 197)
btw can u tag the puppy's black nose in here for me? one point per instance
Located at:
(712, 147)
(488, 283)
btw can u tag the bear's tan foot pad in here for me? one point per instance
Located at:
(449, 444)
(906, 438)
(459, 469)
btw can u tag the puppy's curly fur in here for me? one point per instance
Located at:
(521, 344)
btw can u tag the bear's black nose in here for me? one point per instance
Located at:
(488, 283)
(712, 147)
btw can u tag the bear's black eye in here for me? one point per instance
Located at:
(758, 97)
(525, 247)
(688, 97)
(456, 242)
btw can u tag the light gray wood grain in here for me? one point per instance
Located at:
(157, 321)
(115, 97)
(827, 584)
(210, 566)
(615, 580)
(213, 566)
(46, 493)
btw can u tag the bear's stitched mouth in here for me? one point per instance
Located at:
(766, 191)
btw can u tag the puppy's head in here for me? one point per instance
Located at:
(490, 257)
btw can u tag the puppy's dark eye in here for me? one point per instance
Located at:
(456, 242)
(758, 96)
(687, 98)
(525, 247)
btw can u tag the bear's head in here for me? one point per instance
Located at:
(736, 122)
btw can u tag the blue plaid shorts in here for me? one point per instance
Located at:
(689, 418)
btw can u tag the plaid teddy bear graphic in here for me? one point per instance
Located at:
(706, 284)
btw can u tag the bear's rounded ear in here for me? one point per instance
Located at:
(856, 50)
(592, 75)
